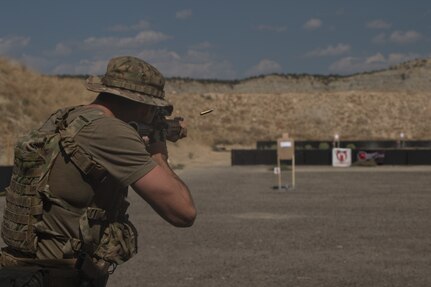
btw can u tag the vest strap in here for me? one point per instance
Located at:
(9, 260)
(8, 233)
(27, 189)
(24, 201)
(80, 158)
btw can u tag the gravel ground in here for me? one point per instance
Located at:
(339, 227)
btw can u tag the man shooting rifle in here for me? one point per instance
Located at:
(65, 221)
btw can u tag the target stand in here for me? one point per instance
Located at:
(285, 151)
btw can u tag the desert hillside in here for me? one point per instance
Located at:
(374, 105)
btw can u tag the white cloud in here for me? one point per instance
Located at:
(150, 37)
(142, 38)
(377, 61)
(141, 25)
(93, 67)
(183, 14)
(206, 70)
(34, 62)
(271, 28)
(396, 58)
(202, 45)
(378, 24)
(265, 66)
(198, 56)
(397, 37)
(330, 51)
(159, 55)
(192, 64)
(401, 37)
(83, 67)
(313, 24)
(12, 43)
(62, 49)
(380, 39)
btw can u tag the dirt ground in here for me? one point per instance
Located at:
(362, 226)
(339, 227)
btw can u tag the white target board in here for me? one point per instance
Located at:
(341, 157)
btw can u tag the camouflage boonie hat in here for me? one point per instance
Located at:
(131, 78)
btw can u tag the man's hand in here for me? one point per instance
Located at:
(157, 148)
(176, 129)
(162, 129)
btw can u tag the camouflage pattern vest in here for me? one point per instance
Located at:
(29, 195)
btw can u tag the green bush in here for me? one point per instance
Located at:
(324, 146)
(351, 146)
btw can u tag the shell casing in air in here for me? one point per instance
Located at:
(206, 112)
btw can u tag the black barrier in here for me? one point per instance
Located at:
(5, 175)
(417, 144)
(356, 144)
(418, 157)
(269, 157)
(299, 157)
(324, 157)
(395, 157)
(252, 157)
(317, 157)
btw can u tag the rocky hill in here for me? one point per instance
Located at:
(373, 105)
(412, 76)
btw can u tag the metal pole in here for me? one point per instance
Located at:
(279, 172)
(293, 170)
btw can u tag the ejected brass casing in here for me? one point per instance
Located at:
(206, 112)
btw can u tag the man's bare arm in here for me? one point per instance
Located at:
(168, 195)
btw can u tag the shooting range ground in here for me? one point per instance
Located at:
(361, 226)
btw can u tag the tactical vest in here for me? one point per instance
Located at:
(28, 196)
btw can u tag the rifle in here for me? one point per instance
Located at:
(171, 128)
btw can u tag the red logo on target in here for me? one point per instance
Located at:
(341, 155)
(362, 155)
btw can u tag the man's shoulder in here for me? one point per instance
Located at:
(102, 123)
(112, 127)
(117, 146)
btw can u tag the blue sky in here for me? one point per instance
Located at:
(216, 39)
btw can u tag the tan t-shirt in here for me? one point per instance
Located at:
(115, 145)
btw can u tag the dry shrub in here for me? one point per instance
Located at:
(246, 118)
(27, 98)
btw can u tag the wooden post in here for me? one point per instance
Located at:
(279, 172)
(286, 151)
(293, 170)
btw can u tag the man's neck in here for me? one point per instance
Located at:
(103, 108)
